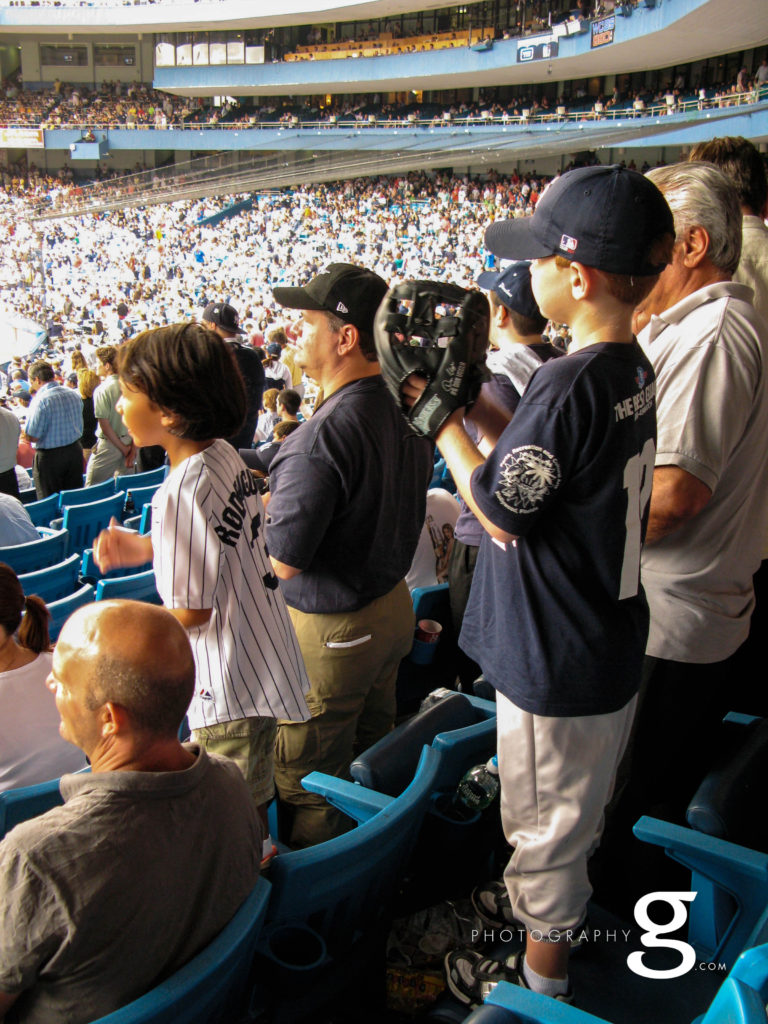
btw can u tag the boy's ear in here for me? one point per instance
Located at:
(169, 421)
(500, 314)
(582, 280)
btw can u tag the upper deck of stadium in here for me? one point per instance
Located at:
(667, 33)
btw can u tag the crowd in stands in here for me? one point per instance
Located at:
(413, 226)
(114, 105)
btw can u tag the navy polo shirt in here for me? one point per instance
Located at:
(349, 492)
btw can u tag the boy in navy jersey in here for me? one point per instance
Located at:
(556, 617)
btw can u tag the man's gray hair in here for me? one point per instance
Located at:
(699, 194)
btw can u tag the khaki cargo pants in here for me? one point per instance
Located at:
(352, 660)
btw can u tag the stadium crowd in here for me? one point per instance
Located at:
(116, 105)
(564, 463)
(164, 266)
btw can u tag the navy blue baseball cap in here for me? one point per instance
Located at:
(223, 315)
(603, 217)
(512, 287)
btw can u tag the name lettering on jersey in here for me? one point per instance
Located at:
(236, 512)
(640, 403)
(527, 476)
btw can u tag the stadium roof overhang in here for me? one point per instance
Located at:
(672, 34)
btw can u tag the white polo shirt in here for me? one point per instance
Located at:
(709, 353)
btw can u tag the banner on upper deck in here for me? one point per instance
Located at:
(21, 138)
(602, 31)
(542, 48)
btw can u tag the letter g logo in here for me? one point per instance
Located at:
(651, 940)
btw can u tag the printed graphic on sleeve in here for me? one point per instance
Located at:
(527, 476)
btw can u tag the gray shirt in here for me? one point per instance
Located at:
(709, 353)
(15, 525)
(753, 266)
(9, 439)
(104, 897)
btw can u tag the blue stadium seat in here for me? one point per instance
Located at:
(59, 580)
(719, 928)
(27, 802)
(42, 512)
(462, 732)
(740, 999)
(142, 522)
(330, 902)
(85, 522)
(61, 610)
(211, 987)
(91, 573)
(462, 729)
(431, 602)
(37, 554)
(141, 586)
(86, 495)
(145, 525)
(140, 496)
(726, 849)
(130, 481)
(437, 473)
(447, 482)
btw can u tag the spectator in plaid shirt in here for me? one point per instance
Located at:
(54, 426)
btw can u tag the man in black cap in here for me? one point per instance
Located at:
(518, 349)
(557, 617)
(222, 319)
(347, 505)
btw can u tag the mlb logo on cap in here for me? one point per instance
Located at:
(568, 244)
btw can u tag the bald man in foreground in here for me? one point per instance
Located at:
(151, 854)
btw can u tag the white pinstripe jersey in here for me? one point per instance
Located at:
(209, 552)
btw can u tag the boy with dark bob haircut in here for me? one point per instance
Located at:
(557, 617)
(178, 367)
(181, 389)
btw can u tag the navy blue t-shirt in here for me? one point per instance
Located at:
(558, 619)
(349, 496)
(252, 372)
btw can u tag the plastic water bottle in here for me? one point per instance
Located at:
(480, 786)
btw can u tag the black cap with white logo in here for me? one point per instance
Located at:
(223, 315)
(351, 293)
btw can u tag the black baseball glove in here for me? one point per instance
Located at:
(439, 331)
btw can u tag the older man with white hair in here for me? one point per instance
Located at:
(709, 349)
